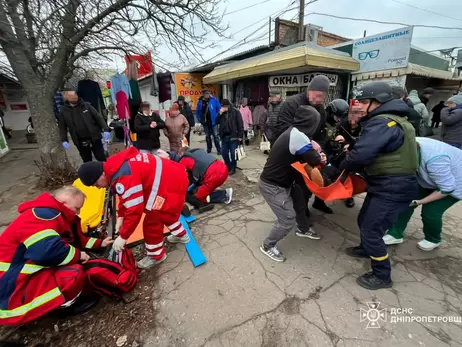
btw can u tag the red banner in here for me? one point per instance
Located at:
(143, 63)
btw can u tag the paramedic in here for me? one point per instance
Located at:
(148, 184)
(40, 257)
(207, 173)
(387, 151)
(277, 186)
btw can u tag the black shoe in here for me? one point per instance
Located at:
(186, 212)
(350, 202)
(356, 252)
(80, 306)
(321, 206)
(372, 282)
(205, 208)
(232, 172)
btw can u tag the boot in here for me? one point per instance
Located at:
(356, 252)
(350, 202)
(186, 212)
(372, 282)
(198, 205)
(321, 206)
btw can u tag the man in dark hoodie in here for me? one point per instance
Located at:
(277, 185)
(85, 125)
(314, 96)
(387, 151)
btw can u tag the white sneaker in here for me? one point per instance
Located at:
(148, 262)
(390, 240)
(229, 196)
(176, 239)
(427, 246)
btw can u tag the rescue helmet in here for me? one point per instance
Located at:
(378, 91)
(338, 107)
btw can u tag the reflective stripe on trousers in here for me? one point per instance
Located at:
(155, 184)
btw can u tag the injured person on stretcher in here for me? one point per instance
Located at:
(43, 257)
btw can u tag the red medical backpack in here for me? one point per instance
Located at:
(112, 278)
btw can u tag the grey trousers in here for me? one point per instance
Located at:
(281, 202)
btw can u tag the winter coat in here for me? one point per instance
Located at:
(187, 112)
(32, 248)
(246, 116)
(419, 106)
(214, 109)
(82, 121)
(378, 137)
(175, 129)
(145, 183)
(437, 112)
(287, 114)
(259, 115)
(451, 132)
(146, 137)
(273, 113)
(414, 117)
(231, 124)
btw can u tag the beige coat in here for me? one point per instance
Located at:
(175, 129)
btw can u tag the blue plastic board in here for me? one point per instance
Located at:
(190, 219)
(194, 251)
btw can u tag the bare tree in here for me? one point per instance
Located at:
(45, 40)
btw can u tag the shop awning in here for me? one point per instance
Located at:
(411, 69)
(295, 56)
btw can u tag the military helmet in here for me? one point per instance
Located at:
(338, 107)
(379, 91)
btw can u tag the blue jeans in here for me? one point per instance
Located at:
(228, 152)
(218, 196)
(212, 130)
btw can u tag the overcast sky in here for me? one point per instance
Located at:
(247, 21)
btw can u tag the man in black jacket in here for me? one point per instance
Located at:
(186, 111)
(85, 125)
(147, 126)
(277, 186)
(314, 96)
(231, 133)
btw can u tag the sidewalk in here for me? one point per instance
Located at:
(242, 298)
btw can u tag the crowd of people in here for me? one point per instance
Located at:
(43, 252)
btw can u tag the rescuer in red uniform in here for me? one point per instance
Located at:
(207, 174)
(145, 183)
(40, 257)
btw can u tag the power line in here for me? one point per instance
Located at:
(245, 8)
(425, 10)
(382, 22)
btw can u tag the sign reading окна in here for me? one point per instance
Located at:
(301, 80)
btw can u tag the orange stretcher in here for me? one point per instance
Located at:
(99, 211)
(353, 185)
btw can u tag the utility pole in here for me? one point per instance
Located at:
(269, 32)
(301, 16)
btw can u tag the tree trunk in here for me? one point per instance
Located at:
(45, 126)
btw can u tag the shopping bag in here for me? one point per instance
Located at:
(353, 184)
(184, 142)
(250, 134)
(240, 152)
(264, 144)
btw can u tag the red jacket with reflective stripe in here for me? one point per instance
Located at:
(145, 183)
(31, 249)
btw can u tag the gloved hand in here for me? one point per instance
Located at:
(119, 223)
(119, 244)
(66, 145)
(107, 135)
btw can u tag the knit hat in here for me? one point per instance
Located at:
(457, 99)
(319, 83)
(205, 91)
(275, 92)
(225, 102)
(90, 172)
(428, 91)
(181, 98)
